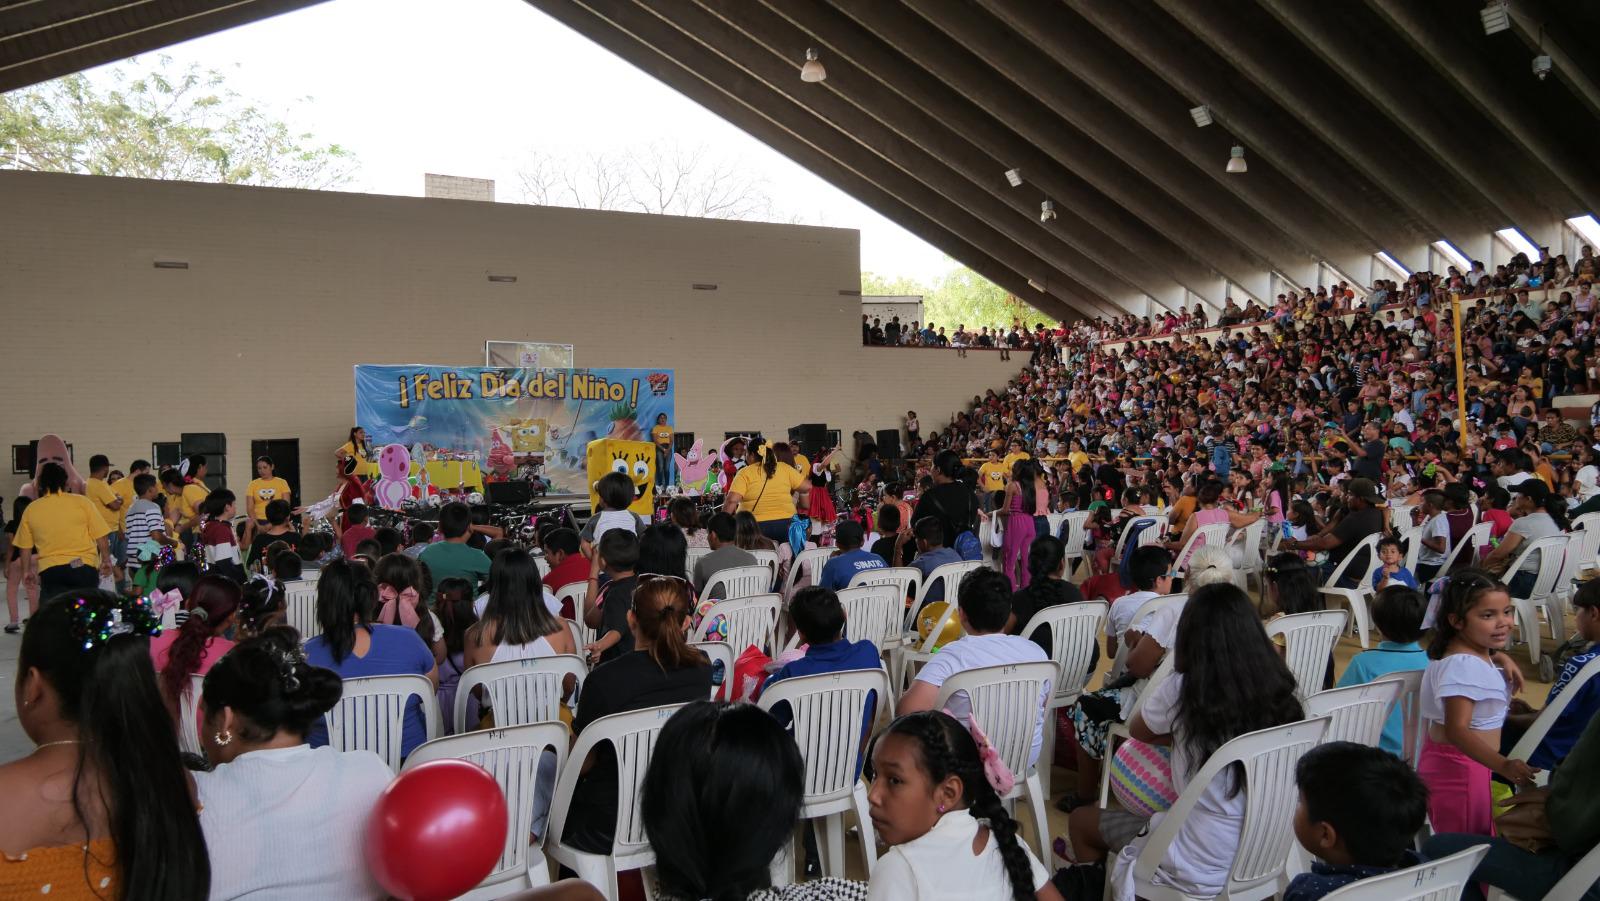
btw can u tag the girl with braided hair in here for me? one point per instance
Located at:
(935, 800)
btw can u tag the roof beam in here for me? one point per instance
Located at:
(663, 52)
(1021, 107)
(1331, 31)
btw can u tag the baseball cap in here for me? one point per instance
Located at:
(1363, 489)
(1534, 488)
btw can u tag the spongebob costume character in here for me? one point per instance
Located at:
(634, 459)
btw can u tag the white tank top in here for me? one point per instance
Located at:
(539, 647)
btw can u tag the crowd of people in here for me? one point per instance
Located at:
(1316, 426)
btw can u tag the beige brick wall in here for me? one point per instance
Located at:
(286, 290)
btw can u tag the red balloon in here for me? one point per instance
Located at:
(436, 831)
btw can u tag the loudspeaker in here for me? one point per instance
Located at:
(808, 438)
(889, 444)
(510, 494)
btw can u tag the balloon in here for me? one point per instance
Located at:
(930, 616)
(436, 831)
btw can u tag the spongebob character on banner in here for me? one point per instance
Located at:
(697, 470)
(528, 435)
(635, 459)
(394, 476)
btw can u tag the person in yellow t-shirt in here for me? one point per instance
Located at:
(661, 436)
(1016, 453)
(67, 533)
(766, 489)
(193, 496)
(265, 488)
(123, 488)
(1076, 456)
(358, 447)
(97, 490)
(992, 474)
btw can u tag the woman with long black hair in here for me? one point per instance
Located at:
(516, 624)
(102, 808)
(1047, 587)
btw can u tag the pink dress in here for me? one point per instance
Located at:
(1014, 544)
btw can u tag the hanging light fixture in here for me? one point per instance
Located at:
(1496, 17)
(812, 71)
(1014, 176)
(1201, 115)
(1236, 163)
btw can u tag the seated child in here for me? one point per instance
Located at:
(1389, 570)
(218, 541)
(1359, 812)
(1397, 612)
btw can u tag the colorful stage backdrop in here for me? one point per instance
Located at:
(502, 418)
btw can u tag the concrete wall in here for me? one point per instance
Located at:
(286, 290)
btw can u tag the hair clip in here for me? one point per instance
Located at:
(94, 625)
(287, 661)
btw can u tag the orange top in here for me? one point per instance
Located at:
(68, 872)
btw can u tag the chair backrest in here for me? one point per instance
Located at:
(577, 592)
(1531, 739)
(1145, 609)
(717, 652)
(740, 581)
(872, 613)
(1583, 545)
(1308, 645)
(1368, 544)
(809, 563)
(633, 736)
(1583, 875)
(542, 564)
(750, 620)
(1154, 525)
(907, 578)
(1400, 515)
(1075, 523)
(189, 716)
(769, 559)
(693, 557)
(300, 607)
(1356, 713)
(1437, 880)
(1249, 541)
(1074, 630)
(1551, 560)
(830, 716)
(1005, 702)
(511, 755)
(1269, 757)
(1162, 672)
(1410, 704)
(1155, 534)
(371, 714)
(1476, 537)
(1212, 535)
(951, 575)
(1411, 537)
(520, 691)
(582, 635)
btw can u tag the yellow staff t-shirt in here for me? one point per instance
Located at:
(262, 492)
(100, 493)
(194, 494)
(992, 476)
(767, 499)
(61, 528)
(123, 488)
(661, 435)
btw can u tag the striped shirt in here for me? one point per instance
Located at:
(144, 517)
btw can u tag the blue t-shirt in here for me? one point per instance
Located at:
(841, 567)
(395, 651)
(1401, 576)
(1564, 732)
(927, 563)
(1388, 657)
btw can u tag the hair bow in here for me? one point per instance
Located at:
(162, 601)
(994, 769)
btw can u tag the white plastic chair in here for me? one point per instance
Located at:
(829, 723)
(1436, 880)
(1157, 526)
(1356, 598)
(300, 608)
(1213, 535)
(1308, 640)
(872, 613)
(1542, 599)
(949, 575)
(1400, 516)
(371, 714)
(1583, 550)
(1410, 538)
(1006, 703)
(512, 756)
(809, 562)
(1075, 554)
(1119, 731)
(750, 620)
(914, 648)
(1269, 757)
(1074, 631)
(1410, 704)
(1356, 713)
(633, 736)
(717, 652)
(769, 559)
(1250, 562)
(578, 592)
(582, 635)
(739, 581)
(189, 716)
(519, 691)
(1531, 739)
(1476, 537)
(542, 565)
(906, 578)
(1119, 660)
(1583, 875)
(693, 557)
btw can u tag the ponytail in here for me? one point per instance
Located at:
(661, 608)
(213, 601)
(108, 689)
(1045, 556)
(346, 598)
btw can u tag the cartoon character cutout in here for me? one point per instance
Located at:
(394, 474)
(635, 459)
(501, 460)
(695, 467)
(528, 435)
(51, 449)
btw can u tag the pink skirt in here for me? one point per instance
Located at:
(1458, 790)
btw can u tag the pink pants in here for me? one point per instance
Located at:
(1458, 790)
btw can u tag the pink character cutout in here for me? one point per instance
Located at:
(394, 473)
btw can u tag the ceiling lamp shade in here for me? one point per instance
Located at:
(1236, 163)
(1496, 17)
(812, 72)
(1014, 176)
(1201, 115)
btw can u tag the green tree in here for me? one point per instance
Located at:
(161, 122)
(958, 297)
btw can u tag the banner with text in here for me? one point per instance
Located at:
(503, 419)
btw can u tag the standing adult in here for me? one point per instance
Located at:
(1017, 514)
(67, 534)
(51, 449)
(767, 490)
(950, 501)
(1363, 517)
(265, 488)
(356, 448)
(661, 437)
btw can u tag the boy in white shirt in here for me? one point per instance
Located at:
(1435, 537)
(1150, 568)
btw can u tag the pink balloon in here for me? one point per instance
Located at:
(436, 831)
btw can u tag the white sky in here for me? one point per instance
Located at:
(463, 87)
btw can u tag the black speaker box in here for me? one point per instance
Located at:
(889, 444)
(809, 438)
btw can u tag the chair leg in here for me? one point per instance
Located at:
(831, 845)
(1358, 612)
(1041, 826)
(869, 839)
(1105, 770)
(1047, 753)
